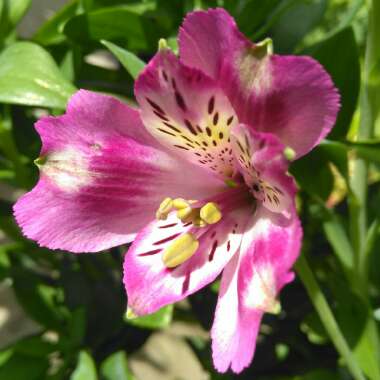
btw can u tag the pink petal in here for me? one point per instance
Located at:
(187, 112)
(292, 97)
(150, 285)
(261, 160)
(102, 177)
(250, 285)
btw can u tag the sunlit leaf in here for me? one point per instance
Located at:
(116, 367)
(85, 369)
(29, 76)
(160, 319)
(133, 64)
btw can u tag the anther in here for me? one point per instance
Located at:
(184, 213)
(180, 250)
(210, 213)
(289, 153)
(165, 207)
(130, 314)
(180, 203)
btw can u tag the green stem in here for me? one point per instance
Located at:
(327, 317)
(359, 178)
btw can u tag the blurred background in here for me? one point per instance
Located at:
(62, 316)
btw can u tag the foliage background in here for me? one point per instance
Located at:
(77, 302)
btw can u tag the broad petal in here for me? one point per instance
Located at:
(290, 96)
(102, 177)
(150, 285)
(187, 112)
(261, 160)
(249, 287)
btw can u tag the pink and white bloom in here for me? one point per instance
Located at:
(196, 178)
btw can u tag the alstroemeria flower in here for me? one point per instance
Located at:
(197, 177)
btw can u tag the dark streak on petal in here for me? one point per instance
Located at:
(172, 127)
(213, 249)
(211, 104)
(168, 225)
(216, 118)
(171, 237)
(163, 117)
(149, 253)
(180, 101)
(186, 283)
(167, 132)
(155, 106)
(190, 127)
(181, 147)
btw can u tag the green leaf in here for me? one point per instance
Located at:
(23, 367)
(319, 374)
(34, 346)
(337, 236)
(340, 57)
(29, 76)
(251, 14)
(368, 150)
(51, 31)
(160, 319)
(85, 369)
(313, 174)
(11, 12)
(127, 23)
(291, 21)
(133, 64)
(37, 299)
(116, 367)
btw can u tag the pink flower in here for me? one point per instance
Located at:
(197, 177)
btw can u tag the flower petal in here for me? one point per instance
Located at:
(249, 287)
(102, 177)
(151, 285)
(261, 160)
(187, 112)
(290, 96)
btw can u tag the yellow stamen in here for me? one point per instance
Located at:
(230, 183)
(211, 213)
(180, 203)
(162, 44)
(275, 308)
(164, 209)
(180, 250)
(130, 313)
(198, 222)
(184, 213)
(289, 153)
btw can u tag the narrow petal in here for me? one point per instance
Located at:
(187, 112)
(261, 160)
(102, 177)
(151, 285)
(249, 287)
(290, 96)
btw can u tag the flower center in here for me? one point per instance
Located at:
(209, 213)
